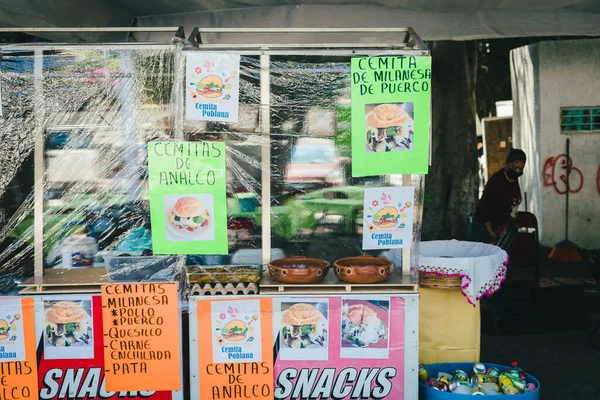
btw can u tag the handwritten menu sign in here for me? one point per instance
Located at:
(18, 379)
(188, 204)
(235, 353)
(391, 108)
(141, 337)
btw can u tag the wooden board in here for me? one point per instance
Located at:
(332, 285)
(74, 280)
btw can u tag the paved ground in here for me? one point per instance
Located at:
(564, 360)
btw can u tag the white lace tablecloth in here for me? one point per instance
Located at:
(482, 267)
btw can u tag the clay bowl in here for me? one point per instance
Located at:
(299, 270)
(363, 269)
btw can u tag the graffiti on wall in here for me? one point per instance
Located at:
(554, 175)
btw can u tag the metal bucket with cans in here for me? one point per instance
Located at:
(474, 379)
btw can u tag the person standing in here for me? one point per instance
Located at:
(500, 201)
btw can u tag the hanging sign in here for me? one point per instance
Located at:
(235, 356)
(391, 106)
(389, 214)
(141, 345)
(18, 365)
(212, 86)
(71, 364)
(188, 204)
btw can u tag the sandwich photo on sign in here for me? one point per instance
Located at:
(236, 331)
(304, 331)
(389, 127)
(365, 328)
(213, 86)
(12, 334)
(388, 217)
(68, 329)
(189, 217)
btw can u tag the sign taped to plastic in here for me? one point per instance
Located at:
(391, 111)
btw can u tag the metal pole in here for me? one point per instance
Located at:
(265, 119)
(127, 100)
(38, 156)
(567, 194)
(91, 29)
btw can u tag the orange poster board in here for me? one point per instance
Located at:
(237, 361)
(141, 337)
(18, 379)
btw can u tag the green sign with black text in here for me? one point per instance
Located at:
(188, 205)
(391, 112)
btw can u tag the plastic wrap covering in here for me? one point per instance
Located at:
(73, 163)
(73, 137)
(315, 204)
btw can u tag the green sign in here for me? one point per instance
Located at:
(391, 108)
(188, 204)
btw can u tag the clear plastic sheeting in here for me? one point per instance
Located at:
(73, 163)
(73, 138)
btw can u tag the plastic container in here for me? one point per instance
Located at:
(142, 268)
(224, 274)
(428, 393)
(77, 252)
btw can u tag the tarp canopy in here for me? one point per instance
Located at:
(432, 19)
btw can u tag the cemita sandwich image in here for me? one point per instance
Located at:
(210, 86)
(361, 326)
(4, 330)
(389, 128)
(235, 330)
(387, 217)
(189, 214)
(303, 325)
(67, 324)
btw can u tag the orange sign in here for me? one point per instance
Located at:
(18, 379)
(141, 337)
(237, 361)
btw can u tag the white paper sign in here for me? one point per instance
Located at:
(388, 213)
(212, 86)
(12, 336)
(236, 331)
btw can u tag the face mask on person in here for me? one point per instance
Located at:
(512, 174)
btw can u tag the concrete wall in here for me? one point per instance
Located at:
(568, 75)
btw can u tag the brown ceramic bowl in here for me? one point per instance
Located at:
(363, 269)
(299, 270)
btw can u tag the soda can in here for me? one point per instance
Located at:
(445, 375)
(477, 391)
(493, 372)
(519, 383)
(479, 379)
(507, 385)
(479, 368)
(460, 376)
(441, 385)
(423, 376)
